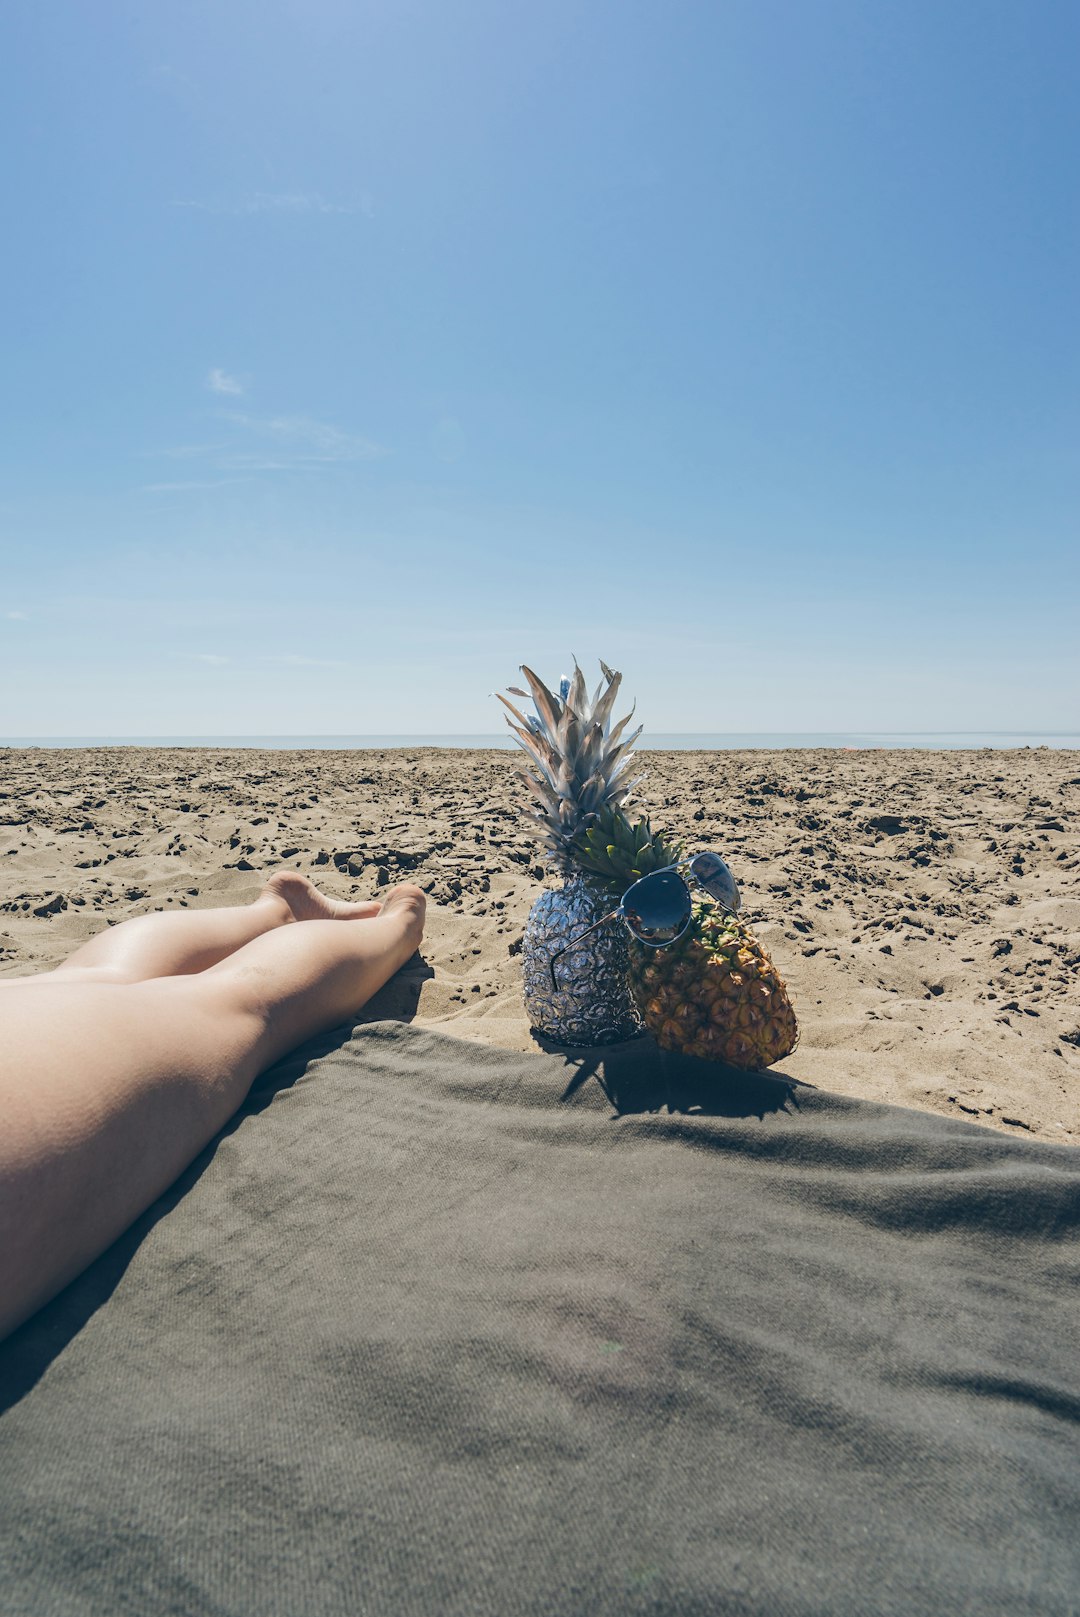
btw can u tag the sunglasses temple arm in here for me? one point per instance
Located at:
(604, 919)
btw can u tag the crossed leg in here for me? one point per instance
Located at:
(185, 941)
(111, 1082)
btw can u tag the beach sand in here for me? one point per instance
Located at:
(924, 907)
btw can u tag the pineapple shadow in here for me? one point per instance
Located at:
(637, 1076)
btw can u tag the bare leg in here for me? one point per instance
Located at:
(191, 940)
(109, 1089)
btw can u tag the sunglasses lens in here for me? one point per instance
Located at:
(717, 880)
(657, 908)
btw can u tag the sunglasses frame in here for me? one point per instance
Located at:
(619, 913)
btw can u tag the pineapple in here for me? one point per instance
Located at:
(576, 768)
(715, 993)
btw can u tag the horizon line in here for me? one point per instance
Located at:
(490, 735)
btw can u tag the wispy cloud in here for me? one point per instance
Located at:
(185, 488)
(189, 451)
(20, 617)
(295, 202)
(213, 659)
(284, 443)
(292, 660)
(301, 440)
(220, 381)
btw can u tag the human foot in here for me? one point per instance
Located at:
(304, 901)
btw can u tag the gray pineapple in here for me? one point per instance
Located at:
(576, 766)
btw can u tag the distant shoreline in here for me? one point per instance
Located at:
(704, 741)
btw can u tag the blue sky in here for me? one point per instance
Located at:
(356, 353)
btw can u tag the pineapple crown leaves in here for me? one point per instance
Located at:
(576, 759)
(620, 851)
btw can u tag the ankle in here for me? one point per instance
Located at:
(406, 906)
(276, 908)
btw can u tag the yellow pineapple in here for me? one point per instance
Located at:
(714, 993)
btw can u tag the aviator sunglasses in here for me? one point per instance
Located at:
(658, 909)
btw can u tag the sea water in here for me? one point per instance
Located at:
(705, 741)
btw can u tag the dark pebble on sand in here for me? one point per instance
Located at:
(51, 906)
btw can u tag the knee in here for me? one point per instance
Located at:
(220, 1015)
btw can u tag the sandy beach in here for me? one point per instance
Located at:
(924, 907)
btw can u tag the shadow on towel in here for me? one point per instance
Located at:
(637, 1076)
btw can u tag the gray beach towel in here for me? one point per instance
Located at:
(435, 1328)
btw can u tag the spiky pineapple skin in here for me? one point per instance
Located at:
(715, 994)
(593, 1003)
